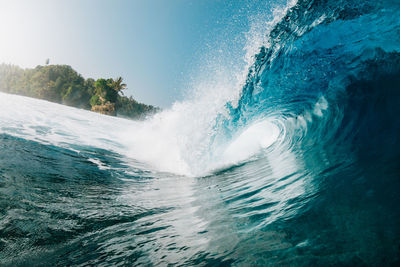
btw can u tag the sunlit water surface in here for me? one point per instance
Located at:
(299, 165)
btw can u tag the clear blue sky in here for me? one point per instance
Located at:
(155, 45)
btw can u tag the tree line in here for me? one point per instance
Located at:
(62, 84)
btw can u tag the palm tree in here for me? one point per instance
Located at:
(118, 86)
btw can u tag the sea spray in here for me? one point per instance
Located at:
(297, 166)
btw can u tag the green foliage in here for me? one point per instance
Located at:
(62, 84)
(104, 89)
(51, 83)
(118, 85)
(129, 107)
(77, 96)
(89, 84)
(95, 100)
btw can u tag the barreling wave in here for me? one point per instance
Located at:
(328, 73)
(300, 84)
(295, 163)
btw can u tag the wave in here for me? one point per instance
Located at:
(324, 62)
(293, 160)
(314, 62)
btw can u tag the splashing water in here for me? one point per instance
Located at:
(289, 157)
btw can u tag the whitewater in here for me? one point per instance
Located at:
(290, 158)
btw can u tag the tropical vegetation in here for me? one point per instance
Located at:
(62, 84)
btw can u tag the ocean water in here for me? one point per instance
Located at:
(297, 163)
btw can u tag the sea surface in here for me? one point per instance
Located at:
(297, 165)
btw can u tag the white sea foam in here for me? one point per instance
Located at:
(181, 138)
(178, 140)
(256, 137)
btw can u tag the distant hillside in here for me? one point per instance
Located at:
(62, 84)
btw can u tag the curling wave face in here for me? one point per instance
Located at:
(294, 163)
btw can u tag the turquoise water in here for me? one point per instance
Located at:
(299, 167)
